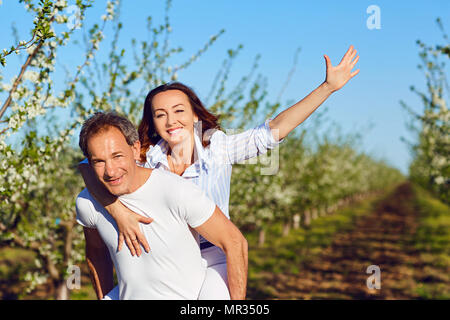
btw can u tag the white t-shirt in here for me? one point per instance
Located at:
(173, 269)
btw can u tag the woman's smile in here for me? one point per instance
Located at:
(174, 131)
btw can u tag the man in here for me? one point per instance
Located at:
(173, 269)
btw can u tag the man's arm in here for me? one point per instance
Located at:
(220, 231)
(99, 263)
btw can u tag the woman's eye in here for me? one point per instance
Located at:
(160, 115)
(180, 110)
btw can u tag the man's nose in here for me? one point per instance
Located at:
(110, 169)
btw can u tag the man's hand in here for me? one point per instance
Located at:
(339, 75)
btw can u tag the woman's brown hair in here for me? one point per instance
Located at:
(147, 132)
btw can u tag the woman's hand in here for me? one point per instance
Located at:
(339, 75)
(129, 230)
(336, 78)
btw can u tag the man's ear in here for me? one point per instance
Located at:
(136, 147)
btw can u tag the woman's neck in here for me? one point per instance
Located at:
(182, 154)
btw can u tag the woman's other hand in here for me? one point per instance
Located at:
(339, 75)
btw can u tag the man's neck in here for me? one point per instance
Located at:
(142, 175)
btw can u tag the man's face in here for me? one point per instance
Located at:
(113, 161)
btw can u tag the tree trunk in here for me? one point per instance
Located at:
(329, 209)
(261, 237)
(286, 228)
(315, 214)
(296, 221)
(307, 219)
(62, 292)
(60, 283)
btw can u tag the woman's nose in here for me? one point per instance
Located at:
(171, 119)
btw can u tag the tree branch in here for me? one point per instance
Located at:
(16, 239)
(22, 71)
(19, 78)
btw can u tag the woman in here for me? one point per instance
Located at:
(178, 134)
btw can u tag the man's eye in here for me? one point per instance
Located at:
(181, 110)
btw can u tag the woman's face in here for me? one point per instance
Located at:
(173, 116)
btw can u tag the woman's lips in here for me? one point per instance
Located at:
(174, 131)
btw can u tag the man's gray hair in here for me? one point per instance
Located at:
(102, 121)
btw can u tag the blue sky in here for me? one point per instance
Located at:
(275, 29)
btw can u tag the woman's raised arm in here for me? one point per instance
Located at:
(127, 220)
(336, 78)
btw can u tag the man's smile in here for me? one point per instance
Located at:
(115, 181)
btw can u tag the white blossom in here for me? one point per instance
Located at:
(31, 75)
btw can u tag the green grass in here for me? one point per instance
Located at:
(13, 261)
(432, 239)
(86, 292)
(16, 262)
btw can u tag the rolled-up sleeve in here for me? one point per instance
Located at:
(248, 144)
(272, 135)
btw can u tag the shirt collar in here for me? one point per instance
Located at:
(158, 154)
